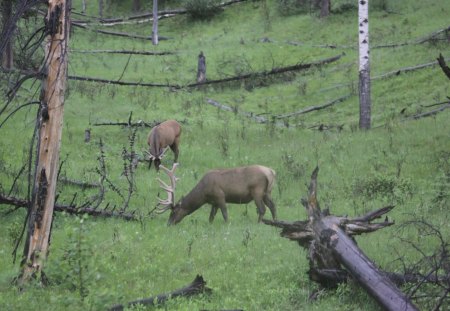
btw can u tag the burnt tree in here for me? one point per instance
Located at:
(50, 118)
(333, 253)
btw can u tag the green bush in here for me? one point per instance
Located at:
(395, 190)
(292, 7)
(202, 9)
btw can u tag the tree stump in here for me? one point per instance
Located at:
(201, 68)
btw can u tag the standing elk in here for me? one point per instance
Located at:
(218, 187)
(164, 135)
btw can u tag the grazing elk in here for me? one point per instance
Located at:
(164, 135)
(218, 187)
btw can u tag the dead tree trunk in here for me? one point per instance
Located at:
(201, 68)
(331, 247)
(7, 57)
(155, 23)
(197, 286)
(50, 129)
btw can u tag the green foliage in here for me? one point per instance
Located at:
(202, 9)
(390, 188)
(293, 7)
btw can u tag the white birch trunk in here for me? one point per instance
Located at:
(155, 23)
(364, 65)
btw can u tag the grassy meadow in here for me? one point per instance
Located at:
(95, 263)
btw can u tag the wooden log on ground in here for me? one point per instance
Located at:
(331, 248)
(198, 286)
(71, 209)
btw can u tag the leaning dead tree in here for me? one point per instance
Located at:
(333, 253)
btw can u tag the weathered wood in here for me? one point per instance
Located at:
(155, 36)
(201, 68)
(40, 215)
(153, 53)
(314, 108)
(198, 286)
(331, 248)
(117, 33)
(274, 71)
(72, 209)
(444, 67)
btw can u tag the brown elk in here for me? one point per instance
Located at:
(217, 187)
(164, 135)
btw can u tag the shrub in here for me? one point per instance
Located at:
(202, 9)
(394, 189)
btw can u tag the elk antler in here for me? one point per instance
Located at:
(170, 201)
(153, 157)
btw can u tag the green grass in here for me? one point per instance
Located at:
(247, 265)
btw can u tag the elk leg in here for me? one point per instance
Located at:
(174, 148)
(261, 208)
(223, 209)
(268, 201)
(213, 213)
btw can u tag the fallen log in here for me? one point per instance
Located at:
(152, 53)
(72, 209)
(274, 71)
(117, 33)
(331, 248)
(314, 108)
(198, 286)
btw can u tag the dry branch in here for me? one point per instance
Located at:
(428, 113)
(314, 108)
(198, 286)
(153, 53)
(445, 68)
(273, 71)
(117, 33)
(71, 209)
(225, 80)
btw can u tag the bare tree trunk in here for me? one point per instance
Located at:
(83, 6)
(201, 68)
(325, 8)
(100, 8)
(155, 23)
(136, 5)
(50, 129)
(364, 65)
(7, 57)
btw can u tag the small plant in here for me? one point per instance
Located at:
(394, 189)
(75, 268)
(224, 138)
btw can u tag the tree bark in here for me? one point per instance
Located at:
(364, 65)
(7, 57)
(100, 8)
(50, 129)
(155, 23)
(201, 68)
(325, 8)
